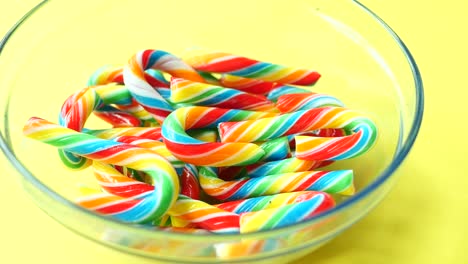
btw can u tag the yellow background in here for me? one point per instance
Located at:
(423, 219)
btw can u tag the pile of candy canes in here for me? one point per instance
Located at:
(227, 145)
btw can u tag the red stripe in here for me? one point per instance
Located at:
(209, 117)
(129, 190)
(119, 207)
(189, 185)
(227, 65)
(217, 223)
(119, 119)
(310, 179)
(154, 134)
(243, 101)
(309, 118)
(154, 82)
(191, 149)
(309, 79)
(145, 58)
(104, 153)
(236, 184)
(326, 204)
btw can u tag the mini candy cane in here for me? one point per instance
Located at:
(149, 98)
(310, 148)
(197, 152)
(205, 215)
(282, 216)
(302, 101)
(274, 201)
(185, 91)
(220, 62)
(158, 168)
(340, 182)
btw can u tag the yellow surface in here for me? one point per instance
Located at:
(422, 220)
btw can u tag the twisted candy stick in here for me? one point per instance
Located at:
(273, 201)
(283, 216)
(340, 182)
(74, 112)
(310, 148)
(142, 91)
(197, 152)
(158, 168)
(185, 91)
(244, 67)
(247, 85)
(205, 215)
(303, 101)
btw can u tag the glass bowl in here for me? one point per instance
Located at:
(53, 49)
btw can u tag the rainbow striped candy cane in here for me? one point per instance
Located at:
(302, 101)
(202, 94)
(220, 62)
(340, 182)
(274, 201)
(282, 216)
(74, 112)
(310, 148)
(191, 150)
(159, 169)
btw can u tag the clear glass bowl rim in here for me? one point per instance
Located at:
(386, 174)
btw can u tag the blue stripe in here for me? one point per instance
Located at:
(251, 69)
(92, 146)
(299, 211)
(158, 103)
(324, 182)
(155, 56)
(138, 213)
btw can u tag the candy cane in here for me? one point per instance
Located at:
(340, 182)
(197, 152)
(220, 62)
(158, 168)
(310, 148)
